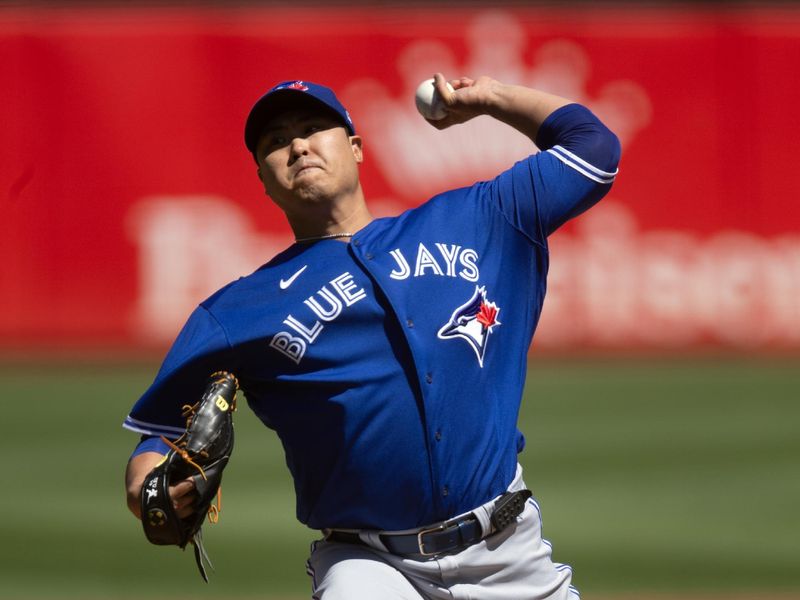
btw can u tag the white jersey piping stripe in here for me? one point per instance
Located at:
(151, 428)
(583, 171)
(583, 163)
(131, 422)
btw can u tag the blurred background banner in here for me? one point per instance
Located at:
(661, 408)
(128, 195)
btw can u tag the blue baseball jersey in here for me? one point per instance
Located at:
(392, 367)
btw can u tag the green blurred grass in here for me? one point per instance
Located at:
(653, 476)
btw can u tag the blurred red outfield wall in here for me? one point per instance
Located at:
(128, 195)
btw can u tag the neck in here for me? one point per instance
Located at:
(332, 225)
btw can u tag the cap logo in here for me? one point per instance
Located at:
(260, 111)
(296, 85)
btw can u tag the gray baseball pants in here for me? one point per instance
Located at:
(513, 564)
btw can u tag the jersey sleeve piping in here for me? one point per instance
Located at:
(151, 428)
(586, 169)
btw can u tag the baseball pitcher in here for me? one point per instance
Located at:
(389, 355)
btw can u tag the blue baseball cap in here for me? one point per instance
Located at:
(290, 94)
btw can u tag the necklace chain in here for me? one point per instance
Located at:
(328, 236)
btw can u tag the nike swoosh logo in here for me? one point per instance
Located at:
(285, 283)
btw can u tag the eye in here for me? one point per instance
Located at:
(276, 141)
(272, 143)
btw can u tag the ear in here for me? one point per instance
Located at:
(358, 150)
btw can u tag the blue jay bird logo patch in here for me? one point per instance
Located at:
(473, 321)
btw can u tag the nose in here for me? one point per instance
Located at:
(298, 148)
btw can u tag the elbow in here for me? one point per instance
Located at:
(576, 131)
(603, 151)
(608, 154)
(614, 151)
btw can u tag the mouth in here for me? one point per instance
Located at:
(305, 169)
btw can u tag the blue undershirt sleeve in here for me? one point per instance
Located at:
(150, 443)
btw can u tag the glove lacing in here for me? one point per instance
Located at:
(179, 446)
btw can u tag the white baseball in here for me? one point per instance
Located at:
(429, 102)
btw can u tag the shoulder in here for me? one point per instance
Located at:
(442, 202)
(270, 272)
(431, 213)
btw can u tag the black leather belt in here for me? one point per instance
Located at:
(448, 535)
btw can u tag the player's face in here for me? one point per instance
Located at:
(306, 158)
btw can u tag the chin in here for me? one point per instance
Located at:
(311, 193)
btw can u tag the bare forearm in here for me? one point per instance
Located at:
(524, 109)
(182, 492)
(138, 468)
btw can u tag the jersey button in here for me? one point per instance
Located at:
(445, 491)
(409, 322)
(369, 256)
(429, 378)
(438, 436)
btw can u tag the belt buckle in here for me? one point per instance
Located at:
(421, 544)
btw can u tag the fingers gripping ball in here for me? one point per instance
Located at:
(201, 454)
(429, 102)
